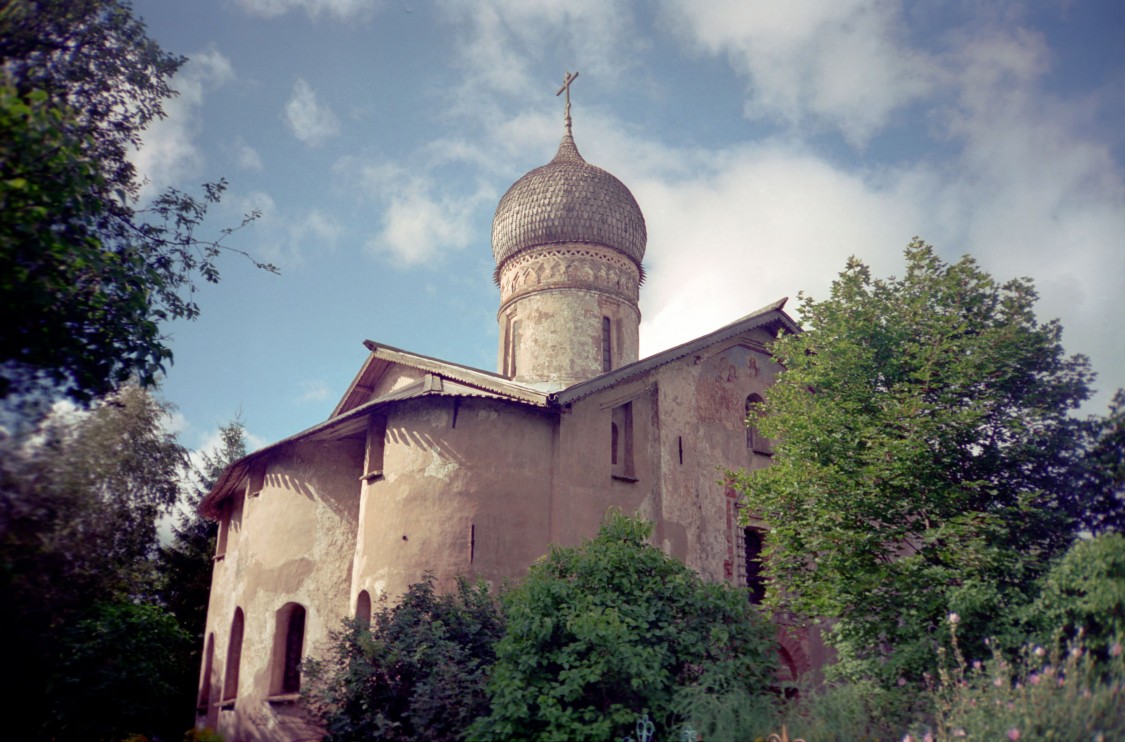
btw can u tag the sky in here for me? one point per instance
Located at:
(766, 142)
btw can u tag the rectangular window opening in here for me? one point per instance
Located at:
(607, 345)
(621, 442)
(373, 450)
(256, 480)
(755, 581)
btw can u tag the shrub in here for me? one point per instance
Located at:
(418, 672)
(599, 634)
(1085, 592)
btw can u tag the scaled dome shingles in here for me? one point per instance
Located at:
(568, 200)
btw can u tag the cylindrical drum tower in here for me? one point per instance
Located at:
(568, 239)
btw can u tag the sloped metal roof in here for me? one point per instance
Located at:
(770, 316)
(454, 380)
(442, 379)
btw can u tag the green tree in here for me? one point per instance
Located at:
(1083, 596)
(79, 499)
(928, 461)
(119, 672)
(1105, 487)
(86, 276)
(185, 565)
(601, 633)
(417, 672)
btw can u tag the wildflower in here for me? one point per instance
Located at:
(901, 681)
(998, 681)
(954, 618)
(1013, 734)
(958, 732)
(976, 665)
(908, 738)
(1040, 652)
(1115, 650)
(929, 737)
(1033, 678)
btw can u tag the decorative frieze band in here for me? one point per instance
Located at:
(570, 266)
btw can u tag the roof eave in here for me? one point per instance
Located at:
(771, 313)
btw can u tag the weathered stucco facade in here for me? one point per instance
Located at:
(429, 466)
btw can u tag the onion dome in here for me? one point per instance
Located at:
(568, 200)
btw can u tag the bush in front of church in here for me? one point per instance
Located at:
(418, 671)
(600, 635)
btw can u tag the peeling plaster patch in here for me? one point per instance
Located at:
(441, 468)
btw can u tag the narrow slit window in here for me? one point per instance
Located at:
(755, 581)
(224, 530)
(234, 656)
(755, 441)
(607, 345)
(373, 451)
(204, 699)
(621, 442)
(256, 481)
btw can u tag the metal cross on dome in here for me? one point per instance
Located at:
(567, 80)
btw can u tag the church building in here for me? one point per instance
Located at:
(431, 466)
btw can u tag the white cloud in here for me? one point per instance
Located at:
(840, 62)
(1023, 186)
(248, 158)
(418, 224)
(174, 423)
(284, 237)
(310, 121)
(421, 216)
(315, 230)
(500, 40)
(336, 9)
(757, 224)
(168, 154)
(313, 391)
(1035, 192)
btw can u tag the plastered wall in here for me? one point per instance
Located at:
(291, 542)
